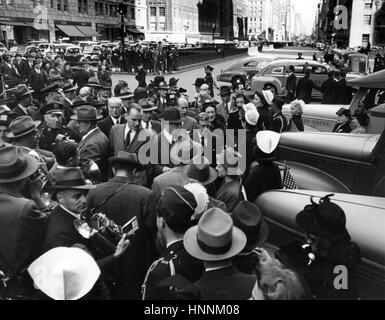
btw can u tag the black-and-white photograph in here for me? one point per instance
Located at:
(170, 150)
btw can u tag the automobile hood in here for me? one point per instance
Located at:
(365, 217)
(356, 147)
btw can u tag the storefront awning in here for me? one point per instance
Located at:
(88, 31)
(70, 31)
(133, 30)
(22, 24)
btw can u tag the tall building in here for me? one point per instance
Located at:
(26, 20)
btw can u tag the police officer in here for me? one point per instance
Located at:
(53, 126)
(175, 209)
(210, 80)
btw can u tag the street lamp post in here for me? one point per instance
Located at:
(186, 27)
(213, 26)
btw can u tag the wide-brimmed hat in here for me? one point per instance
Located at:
(252, 117)
(163, 85)
(202, 172)
(247, 217)
(127, 158)
(225, 91)
(125, 94)
(172, 115)
(52, 108)
(22, 91)
(70, 178)
(147, 105)
(50, 88)
(157, 80)
(68, 87)
(15, 165)
(86, 113)
(267, 141)
(65, 273)
(323, 218)
(22, 126)
(268, 96)
(173, 81)
(93, 82)
(214, 238)
(184, 151)
(140, 93)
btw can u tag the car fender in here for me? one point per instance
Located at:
(365, 219)
(257, 83)
(309, 178)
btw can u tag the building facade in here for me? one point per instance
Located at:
(26, 20)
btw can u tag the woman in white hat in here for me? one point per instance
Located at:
(266, 176)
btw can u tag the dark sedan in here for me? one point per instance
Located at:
(245, 68)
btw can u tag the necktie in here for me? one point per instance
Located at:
(128, 138)
(147, 125)
(117, 121)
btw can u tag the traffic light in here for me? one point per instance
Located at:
(122, 8)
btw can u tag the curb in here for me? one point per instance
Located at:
(196, 65)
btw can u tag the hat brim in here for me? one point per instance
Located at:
(190, 242)
(10, 135)
(149, 109)
(75, 117)
(83, 187)
(263, 234)
(69, 90)
(129, 96)
(32, 166)
(213, 176)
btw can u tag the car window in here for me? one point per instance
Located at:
(276, 70)
(257, 64)
(319, 70)
(298, 69)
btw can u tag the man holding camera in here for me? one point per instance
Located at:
(53, 128)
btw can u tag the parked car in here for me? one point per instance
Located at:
(322, 118)
(23, 50)
(245, 68)
(70, 53)
(365, 219)
(92, 53)
(277, 72)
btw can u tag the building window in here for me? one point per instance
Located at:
(85, 6)
(367, 19)
(365, 39)
(162, 11)
(106, 12)
(132, 13)
(52, 4)
(368, 4)
(97, 12)
(58, 5)
(153, 26)
(162, 26)
(80, 6)
(111, 10)
(153, 11)
(65, 6)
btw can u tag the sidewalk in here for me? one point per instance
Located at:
(197, 65)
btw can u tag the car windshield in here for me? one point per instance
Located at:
(19, 48)
(73, 51)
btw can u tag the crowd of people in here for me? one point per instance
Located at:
(157, 163)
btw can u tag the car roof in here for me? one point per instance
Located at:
(295, 62)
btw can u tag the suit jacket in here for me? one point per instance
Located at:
(22, 229)
(223, 110)
(61, 231)
(345, 128)
(185, 265)
(156, 126)
(32, 111)
(96, 147)
(9, 73)
(25, 69)
(106, 124)
(230, 194)
(175, 177)
(189, 124)
(37, 81)
(279, 123)
(226, 284)
(304, 90)
(328, 89)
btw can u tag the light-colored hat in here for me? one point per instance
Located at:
(267, 141)
(201, 197)
(252, 117)
(269, 96)
(214, 238)
(249, 106)
(65, 273)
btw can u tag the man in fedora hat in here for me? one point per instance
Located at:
(95, 86)
(53, 126)
(248, 218)
(209, 79)
(24, 134)
(174, 213)
(37, 79)
(22, 224)
(224, 107)
(24, 105)
(163, 89)
(127, 97)
(9, 71)
(115, 111)
(328, 245)
(94, 145)
(128, 201)
(215, 241)
(148, 108)
(173, 83)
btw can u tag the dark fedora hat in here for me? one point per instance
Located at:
(157, 80)
(93, 82)
(172, 115)
(201, 171)
(147, 105)
(50, 88)
(78, 102)
(86, 113)
(199, 82)
(15, 165)
(247, 217)
(68, 87)
(210, 68)
(173, 81)
(70, 178)
(140, 93)
(52, 107)
(225, 91)
(22, 91)
(126, 158)
(163, 85)
(125, 94)
(324, 218)
(22, 126)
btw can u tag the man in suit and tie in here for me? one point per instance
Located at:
(17, 61)
(26, 67)
(188, 123)
(225, 106)
(115, 110)
(24, 105)
(130, 137)
(9, 71)
(148, 108)
(163, 91)
(291, 85)
(94, 145)
(37, 79)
